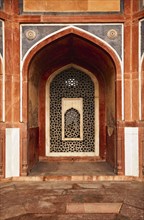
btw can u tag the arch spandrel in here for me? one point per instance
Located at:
(75, 32)
(111, 34)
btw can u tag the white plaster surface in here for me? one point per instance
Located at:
(131, 151)
(12, 152)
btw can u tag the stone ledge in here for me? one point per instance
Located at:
(70, 178)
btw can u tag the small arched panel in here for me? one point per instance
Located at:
(72, 124)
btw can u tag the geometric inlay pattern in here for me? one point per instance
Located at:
(98, 30)
(81, 86)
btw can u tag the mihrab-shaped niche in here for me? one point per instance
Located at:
(72, 119)
(72, 123)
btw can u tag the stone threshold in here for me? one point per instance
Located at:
(71, 159)
(84, 178)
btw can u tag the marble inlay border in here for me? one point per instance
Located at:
(140, 59)
(2, 57)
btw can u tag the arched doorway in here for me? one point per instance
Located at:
(72, 113)
(89, 55)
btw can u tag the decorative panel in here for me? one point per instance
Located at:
(34, 33)
(141, 67)
(81, 91)
(72, 6)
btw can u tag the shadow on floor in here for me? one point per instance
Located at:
(43, 168)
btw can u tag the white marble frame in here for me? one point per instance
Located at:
(140, 59)
(3, 72)
(76, 103)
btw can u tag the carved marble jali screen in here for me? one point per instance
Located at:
(71, 112)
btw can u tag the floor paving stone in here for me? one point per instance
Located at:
(93, 208)
(50, 200)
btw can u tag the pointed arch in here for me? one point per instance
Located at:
(76, 31)
(87, 37)
(68, 30)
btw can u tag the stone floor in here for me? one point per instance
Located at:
(52, 168)
(97, 200)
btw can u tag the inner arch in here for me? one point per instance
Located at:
(74, 49)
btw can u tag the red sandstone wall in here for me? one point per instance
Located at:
(29, 143)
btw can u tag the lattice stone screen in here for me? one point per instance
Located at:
(71, 84)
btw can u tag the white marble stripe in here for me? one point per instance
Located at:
(131, 151)
(12, 167)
